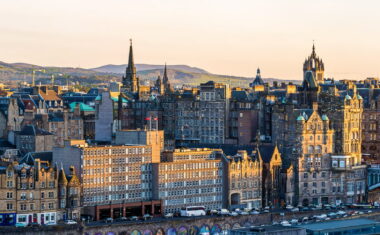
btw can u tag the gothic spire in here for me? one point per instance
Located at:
(129, 80)
(165, 77)
(131, 62)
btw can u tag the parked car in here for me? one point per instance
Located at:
(147, 217)
(134, 218)
(285, 223)
(332, 215)
(233, 213)
(295, 210)
(244, 213)
(69, 221)
(108, 220)
(223, 212)
(254, 212)
(169, 215)
(294, 221)
(213, 212)
(341, 213)
(289, 207)
(122, 219)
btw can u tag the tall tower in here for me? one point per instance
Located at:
(314, 64)
(130, 81)
(165, 81)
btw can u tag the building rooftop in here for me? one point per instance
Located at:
(270, 229)
(339, 225)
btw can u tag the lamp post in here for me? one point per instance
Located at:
(34, 74)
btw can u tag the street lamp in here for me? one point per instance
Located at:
(34, 74)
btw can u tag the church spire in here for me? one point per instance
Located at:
(165, 81)
(131, 62)
(130, 82)
(165, 77)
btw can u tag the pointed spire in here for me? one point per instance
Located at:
(62, 176)
(313, 52)
(165, 77)
(131, 62)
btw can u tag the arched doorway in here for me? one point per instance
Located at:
(235, 199)
(305, 202)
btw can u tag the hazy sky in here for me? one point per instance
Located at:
(224, 37)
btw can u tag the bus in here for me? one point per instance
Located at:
(193, 211)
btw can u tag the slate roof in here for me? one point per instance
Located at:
(266, 152)
(33, 131)
(30, 157)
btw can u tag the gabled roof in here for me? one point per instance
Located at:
(266, 152)
(30, 157)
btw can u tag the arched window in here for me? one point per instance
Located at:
(310, 149)
(318, 149)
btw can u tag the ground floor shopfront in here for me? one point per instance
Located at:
(41, 218)
(100, 212)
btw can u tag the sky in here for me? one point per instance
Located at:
(223, 37)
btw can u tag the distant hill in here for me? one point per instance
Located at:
(120, 69)
(178, 74)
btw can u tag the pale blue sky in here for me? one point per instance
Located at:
(224, 37)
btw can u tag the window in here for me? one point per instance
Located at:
(305, 185)
(23, 196)
(9, 195)
(51, 205)
(51, 194)
(9, 206)
(42, 195)
(31, 207)
(23, 207)
(9, 173)
(9, 184)
(42, 206)
(314, 175)
(305, 175)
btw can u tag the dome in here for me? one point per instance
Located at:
(324, 117)
(300, 118)
(359, 97)
(348, 97)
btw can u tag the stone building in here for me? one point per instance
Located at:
(243, 122)
(271, 176)
(11, 116)
(371, 130)
(30, 191)
(242, 174)
(34, 139)
(63, 125)
(189, 177)
(116, 180)
(317, 131)
(69, 194)
(214, 101)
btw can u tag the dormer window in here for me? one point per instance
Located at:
(23, 175)
(9, 173)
